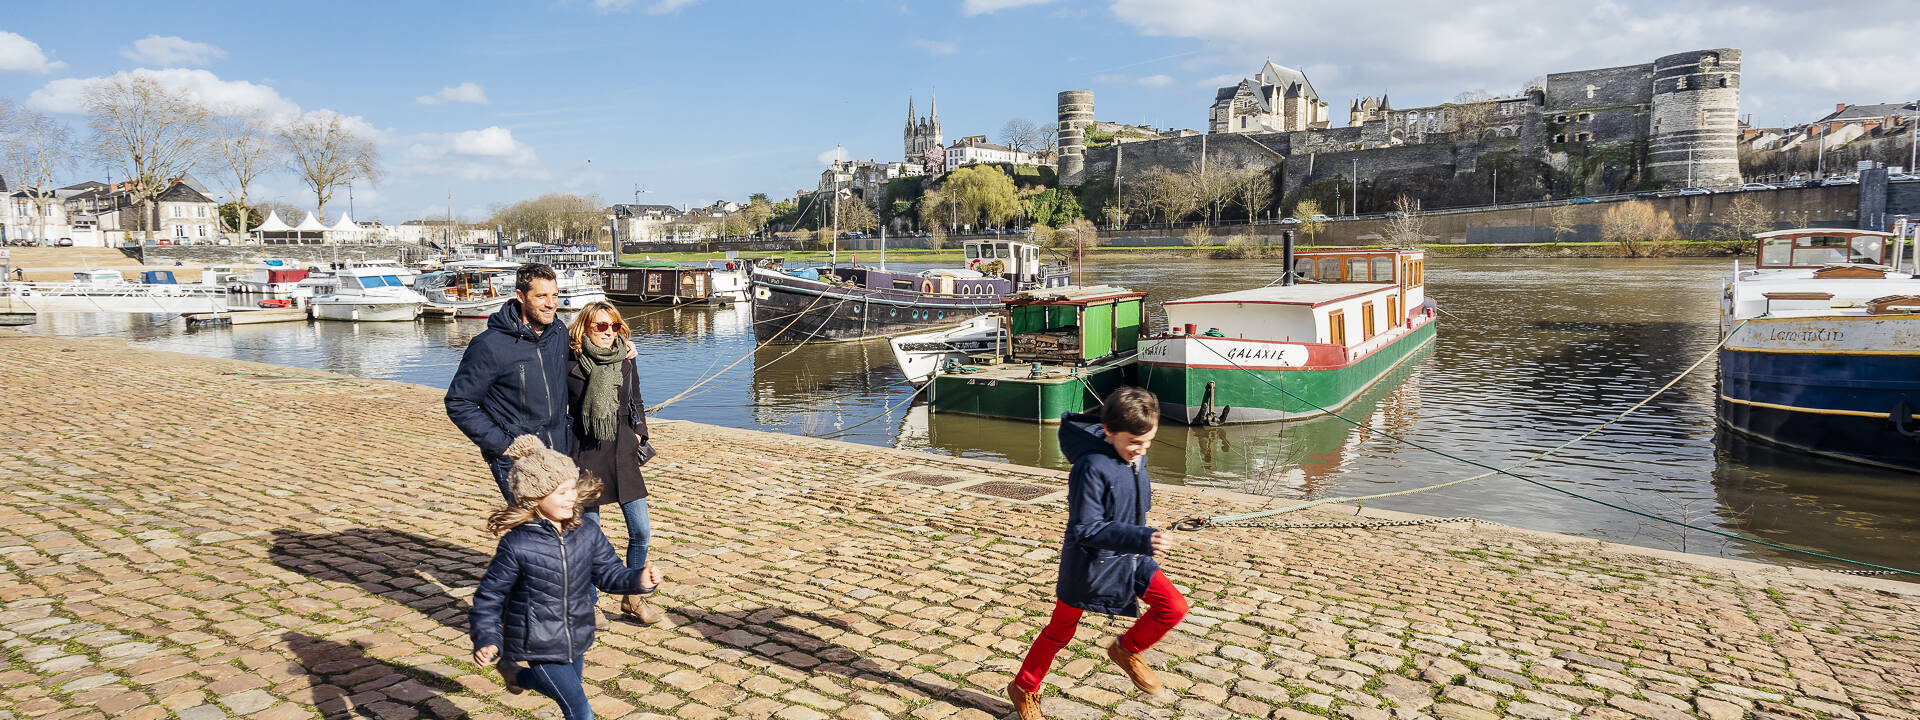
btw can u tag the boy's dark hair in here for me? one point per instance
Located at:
(1130, 409)
(524, 277)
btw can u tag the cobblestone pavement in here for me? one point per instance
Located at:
(181, 541)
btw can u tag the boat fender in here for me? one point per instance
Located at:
(729, 264)
(926, 286)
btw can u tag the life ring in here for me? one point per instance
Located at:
(729, 264)
(926, 286)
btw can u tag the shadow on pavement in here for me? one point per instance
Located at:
(349, 683)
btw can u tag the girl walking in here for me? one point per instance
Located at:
(610, 430)
(535, 604)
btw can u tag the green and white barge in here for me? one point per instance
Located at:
(1286, 351)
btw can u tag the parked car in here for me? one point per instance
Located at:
(1289, 221)
(1317, 217)
(1899, 177)
(1394, 214)
(1649, 194)
(64, 242)
(1843, 180)
(1758, 186)
(1581, 201)
(1694, 191)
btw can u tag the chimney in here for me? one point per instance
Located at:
(1838, 107)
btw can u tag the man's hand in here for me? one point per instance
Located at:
(632, 352)
(1162, 542)
(486, 655)
(649, 577)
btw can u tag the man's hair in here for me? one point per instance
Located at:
(524, 277)
(1130, 410)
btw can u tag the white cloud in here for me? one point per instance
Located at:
(18, 54)
(611, 5)
(68, 95)
(1220, 81)
(1155, 81)
(465, 92)
(171, 51)
(937, 47)
(1797, 61)
(659, 7)
(983, 7)
(828, 157)
(487, 154)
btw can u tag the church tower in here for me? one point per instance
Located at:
(922, 134)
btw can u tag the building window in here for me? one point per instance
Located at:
(1559, 118)
(199, 211)
(1585, 117)
(176, 211)
(1723, 81)
(203, 230)
(1560, 138)
(179, 231)
(1681, 83)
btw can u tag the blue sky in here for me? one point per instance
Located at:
(699, 100)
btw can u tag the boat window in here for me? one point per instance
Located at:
(1337, 327)
(1823, 250)
(1356, 270)
(1303, 268)
(1329, 270)
(1868, 249)
(393, 281)
(1366, 321)
(1383, 269)
(973, 251)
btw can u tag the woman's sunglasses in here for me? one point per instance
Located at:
(604, 326)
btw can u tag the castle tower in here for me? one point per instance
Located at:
(1695, 125)
(1076, 115)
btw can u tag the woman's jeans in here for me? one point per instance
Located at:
(560, 681)
(639, 530)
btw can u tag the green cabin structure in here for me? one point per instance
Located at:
(1061, 351)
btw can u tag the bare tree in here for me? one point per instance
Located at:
(242, 144)
(1405, 227)
(1211, 190)
(1747, 217)
(1252, 190)
(1076, 237)
(1020, 134)
(1165, 193)
(1636, 226)
(156, 134)
(1560, 221)
(1047, 141)
(327, 154)
(34, 149)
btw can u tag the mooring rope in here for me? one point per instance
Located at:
(1198, 523)
(743, 358)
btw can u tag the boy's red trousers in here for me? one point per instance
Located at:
(1165, 609)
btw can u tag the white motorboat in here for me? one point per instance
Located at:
(578, 287)
(920, 355)
(369, 295)
(471, 291)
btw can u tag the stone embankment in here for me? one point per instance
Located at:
(183, 539)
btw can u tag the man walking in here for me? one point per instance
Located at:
(512, 380)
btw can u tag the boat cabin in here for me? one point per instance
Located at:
(158, 277)
(353, 280)
(1073, 325)
(657, 283)
(1821, 247)
(99, 278)
(1349, 298)
(1017, 261)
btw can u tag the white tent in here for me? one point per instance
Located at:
(273, 224)
(346, 230)
(346, 224)
(311, 224)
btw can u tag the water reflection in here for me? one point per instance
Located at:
(1814, 503)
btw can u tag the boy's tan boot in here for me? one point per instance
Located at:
(637, 608)
(1135, 667)
(1026, 705)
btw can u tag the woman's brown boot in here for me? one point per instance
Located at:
(638, 609)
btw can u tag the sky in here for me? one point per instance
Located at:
(692, 101)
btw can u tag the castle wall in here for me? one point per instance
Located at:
(1606, 87)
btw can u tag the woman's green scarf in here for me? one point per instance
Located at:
(600, 407)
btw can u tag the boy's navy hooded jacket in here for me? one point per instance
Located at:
(1106, 560)
(539, 591)
(512, 382)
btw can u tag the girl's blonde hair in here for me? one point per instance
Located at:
(522, 510)
(578, 329)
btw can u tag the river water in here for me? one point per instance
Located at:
(1530, 353)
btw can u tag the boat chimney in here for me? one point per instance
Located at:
(1286, 258)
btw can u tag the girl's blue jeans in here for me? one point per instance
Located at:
(639, 530)
(560, 681)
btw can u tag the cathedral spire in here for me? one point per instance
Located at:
(910, 117)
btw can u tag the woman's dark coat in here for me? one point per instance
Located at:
(536, 601)
(1106, 559)
(617, 461)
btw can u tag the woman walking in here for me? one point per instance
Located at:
(610, 430)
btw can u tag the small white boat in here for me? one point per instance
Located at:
(407, 275)
(578, 288)
(473, 291)
(369, 295)
(920, 355)
(276, 279)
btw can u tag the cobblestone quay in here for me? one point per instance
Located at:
(179, 540)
